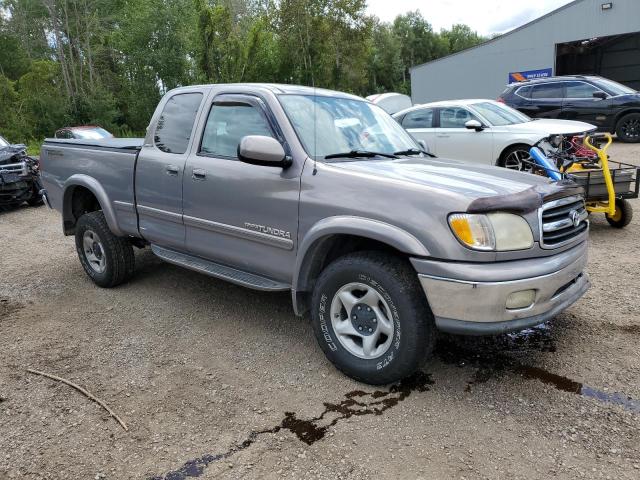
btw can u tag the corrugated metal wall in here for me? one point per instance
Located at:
(482, 72)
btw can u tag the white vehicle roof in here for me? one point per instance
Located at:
(391, 102)
(543, 126)
(447, 103)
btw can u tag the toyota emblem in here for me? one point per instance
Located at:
(575, 217)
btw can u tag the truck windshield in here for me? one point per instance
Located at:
(327, 126)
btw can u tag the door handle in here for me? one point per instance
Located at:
(172, 170)
(442, 135)
(199, 173)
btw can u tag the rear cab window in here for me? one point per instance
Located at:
(174, 127)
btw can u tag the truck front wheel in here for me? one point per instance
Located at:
(371, 318)
(107, 259)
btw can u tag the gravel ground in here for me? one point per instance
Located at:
(221, 382)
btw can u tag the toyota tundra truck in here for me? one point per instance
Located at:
(322, 194)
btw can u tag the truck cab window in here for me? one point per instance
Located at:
(176, 122)
(227, 124)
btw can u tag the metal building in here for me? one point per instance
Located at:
(584, 36)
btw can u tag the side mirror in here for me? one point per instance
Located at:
(474, 125)
(264, 151)
(600, 95)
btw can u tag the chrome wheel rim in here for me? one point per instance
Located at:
(517, 160)
(362, 321)
(94, 251)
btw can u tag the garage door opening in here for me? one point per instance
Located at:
(616, 57)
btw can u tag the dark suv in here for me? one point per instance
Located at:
(609, 105)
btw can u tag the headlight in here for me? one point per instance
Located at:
(494, 231)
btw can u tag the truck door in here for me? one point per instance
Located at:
(160, 170)
(240, 215)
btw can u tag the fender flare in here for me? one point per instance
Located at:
(358, 226)
(91, 184)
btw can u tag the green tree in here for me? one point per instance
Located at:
(324, 43)
(461, 37)
(419, 42)
(14, 61)
(386, 69)
(12, 126)
(44, 106)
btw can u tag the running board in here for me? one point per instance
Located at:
(212, 269)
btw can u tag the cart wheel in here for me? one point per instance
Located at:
(623, 215)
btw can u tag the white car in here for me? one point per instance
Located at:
(482, 131)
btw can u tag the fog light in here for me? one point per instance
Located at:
(521, 299)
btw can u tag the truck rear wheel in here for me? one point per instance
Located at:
(371, 318)
(107, 259)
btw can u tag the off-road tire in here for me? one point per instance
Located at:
(120, 260)
(414, 328)
(624, 214)
(620, 128)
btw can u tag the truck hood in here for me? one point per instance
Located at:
(547, 126)
(448, 177)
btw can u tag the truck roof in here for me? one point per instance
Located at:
(276, 88)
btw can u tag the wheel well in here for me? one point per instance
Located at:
(622, 114)
(324, 251)
(509, 147)
(79, 201)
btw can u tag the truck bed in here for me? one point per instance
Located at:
(111, 143)
(104, 166)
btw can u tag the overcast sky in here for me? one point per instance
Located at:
(484, 16)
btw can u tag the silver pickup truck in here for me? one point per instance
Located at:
(323, 194)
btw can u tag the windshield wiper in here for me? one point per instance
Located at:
(414, 151)
(360, 154)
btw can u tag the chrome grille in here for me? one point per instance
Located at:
(561, 221)
(18, 168)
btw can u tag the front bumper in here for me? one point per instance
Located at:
(471, 299)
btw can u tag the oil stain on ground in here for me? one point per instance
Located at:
(356, 403)
(495, 355)
(490, 356)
